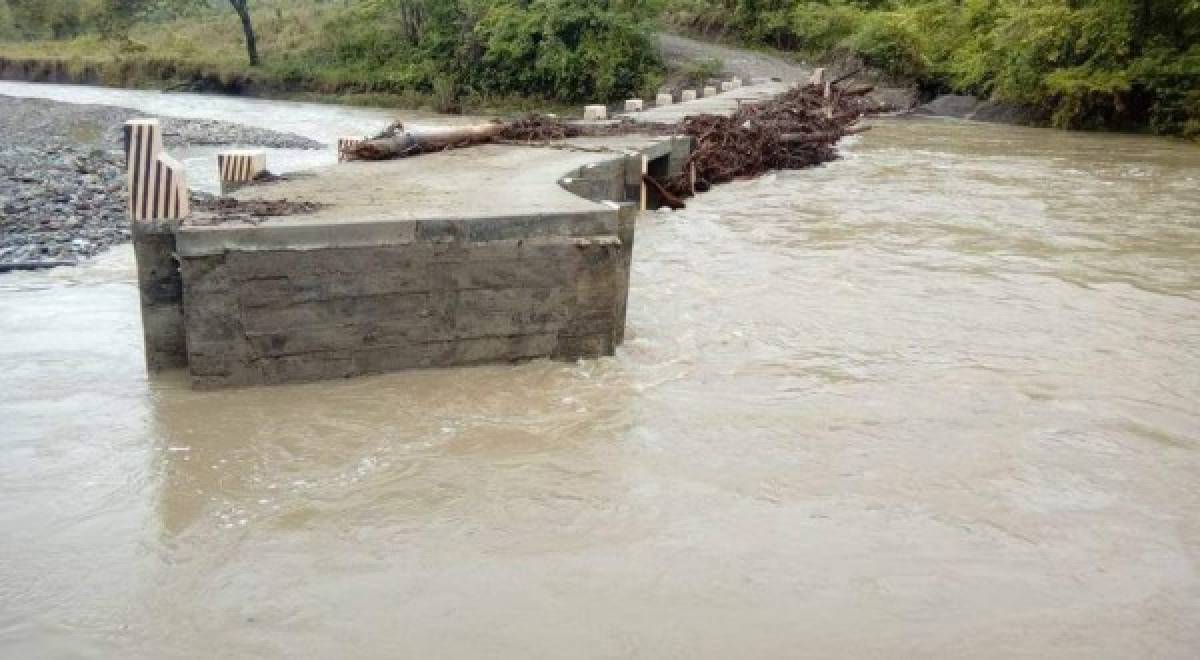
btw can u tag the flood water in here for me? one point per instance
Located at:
(321, 122)
(939, 398)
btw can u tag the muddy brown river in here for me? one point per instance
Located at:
(939, 398)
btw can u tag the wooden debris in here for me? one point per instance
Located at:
(669, 199)
(395, 142)
(796, 129)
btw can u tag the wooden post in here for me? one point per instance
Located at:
(158, 200)
(239, 167)
(157, 183)
(346, 147)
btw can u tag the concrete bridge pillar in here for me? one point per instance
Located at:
(160, 287)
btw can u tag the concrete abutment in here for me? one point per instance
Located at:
(355, 291)
(498, 253)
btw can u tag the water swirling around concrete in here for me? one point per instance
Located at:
(937, 398)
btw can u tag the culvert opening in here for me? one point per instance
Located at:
(657, 169)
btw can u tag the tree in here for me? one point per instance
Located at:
(114, 17)
(8, 26)
(243, 12)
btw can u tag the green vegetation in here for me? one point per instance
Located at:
(448, 53)
(700, 72)
(1122, 64)
(1127, 64)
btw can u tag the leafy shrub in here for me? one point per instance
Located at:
(445, 94)
(1086, 63)
(701, 71)
(561, 49)
(882, 40)
(564, 49)
(819, 27)
(8, 26)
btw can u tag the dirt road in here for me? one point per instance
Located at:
(678, 51)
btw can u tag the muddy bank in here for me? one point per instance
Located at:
(177, 75)
(62, 174)
(964, 106)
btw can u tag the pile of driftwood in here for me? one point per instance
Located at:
(797, 129)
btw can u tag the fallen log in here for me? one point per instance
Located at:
(399, 143)
(846, 76)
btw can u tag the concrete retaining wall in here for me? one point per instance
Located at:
(296, 315)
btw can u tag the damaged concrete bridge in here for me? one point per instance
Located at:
(496, 253)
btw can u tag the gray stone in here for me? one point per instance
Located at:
(963, 106)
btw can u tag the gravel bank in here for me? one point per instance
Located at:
(62, 174)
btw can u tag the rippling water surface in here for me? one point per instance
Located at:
(941, 397)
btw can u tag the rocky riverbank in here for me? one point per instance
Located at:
(62, 174)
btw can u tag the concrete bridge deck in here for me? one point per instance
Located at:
(724, 103)
(489, 254)
(482, 193)
(491, 190)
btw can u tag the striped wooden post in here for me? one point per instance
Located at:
(158, 200)
(157, 183)
(240, 166)
(345, 145)
(645, 171)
